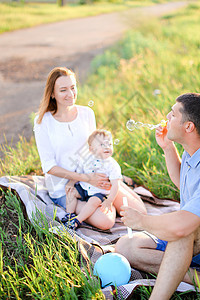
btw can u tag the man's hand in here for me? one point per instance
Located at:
(99, 180)
(131, 218)
(161, 137)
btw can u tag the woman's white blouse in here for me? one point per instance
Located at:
(62, 144)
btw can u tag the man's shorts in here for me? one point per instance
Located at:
(84, 194)
(161, 246)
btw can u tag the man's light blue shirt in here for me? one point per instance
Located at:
(190, 183)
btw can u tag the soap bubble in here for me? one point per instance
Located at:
(163, 123)
(116, 142)
(139, 125)
(91, 103)
(130, 124)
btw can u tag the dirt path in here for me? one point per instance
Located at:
(28, 55)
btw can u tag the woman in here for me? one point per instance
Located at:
(61, 132)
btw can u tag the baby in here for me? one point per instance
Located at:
(98, 160)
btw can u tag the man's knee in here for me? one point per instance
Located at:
(129, 247)
(133, 248)
(138, 240)
(122, 245)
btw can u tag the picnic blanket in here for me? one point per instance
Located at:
(92, 242)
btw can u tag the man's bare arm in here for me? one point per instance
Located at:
(172, 157)
(173, 163)
(169, 227)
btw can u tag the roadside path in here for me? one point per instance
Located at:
(28, 55)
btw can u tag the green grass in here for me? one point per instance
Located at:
(24, 164)
(36, 264)
(18, 15)
(162, 55)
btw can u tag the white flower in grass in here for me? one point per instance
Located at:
(156, 92)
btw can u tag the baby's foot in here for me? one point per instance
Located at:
(71, 221)
(67, 217)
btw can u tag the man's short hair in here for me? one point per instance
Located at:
(191, 108)
(97, 132)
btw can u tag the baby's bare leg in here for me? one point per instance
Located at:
(89, 208)
(98, 218)
(71, 196)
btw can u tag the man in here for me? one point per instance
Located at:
(171, 241)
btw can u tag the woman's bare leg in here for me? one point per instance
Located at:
(71, 197)
(134, 200)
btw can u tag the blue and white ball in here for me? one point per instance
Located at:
(112, 269)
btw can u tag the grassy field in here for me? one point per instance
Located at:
(17, 15)
(138, 78)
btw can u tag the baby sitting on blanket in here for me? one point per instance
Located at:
(98, 160)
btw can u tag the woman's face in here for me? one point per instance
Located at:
(65, 91)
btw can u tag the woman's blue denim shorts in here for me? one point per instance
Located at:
(60, 201)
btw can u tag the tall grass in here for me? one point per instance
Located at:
(161, 55)
(16, 161)
(36, 264)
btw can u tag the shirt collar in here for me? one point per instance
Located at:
(193, 160)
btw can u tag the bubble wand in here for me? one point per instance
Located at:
(125, 203)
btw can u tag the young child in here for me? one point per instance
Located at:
(98, 160)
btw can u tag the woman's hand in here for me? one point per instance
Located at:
(99, 180)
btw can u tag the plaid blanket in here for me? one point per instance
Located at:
(92, 242)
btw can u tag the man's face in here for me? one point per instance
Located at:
(102, 146)
(175, 125)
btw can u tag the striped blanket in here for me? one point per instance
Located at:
(92, 242)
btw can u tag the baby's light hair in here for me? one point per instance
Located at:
(97, 132)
